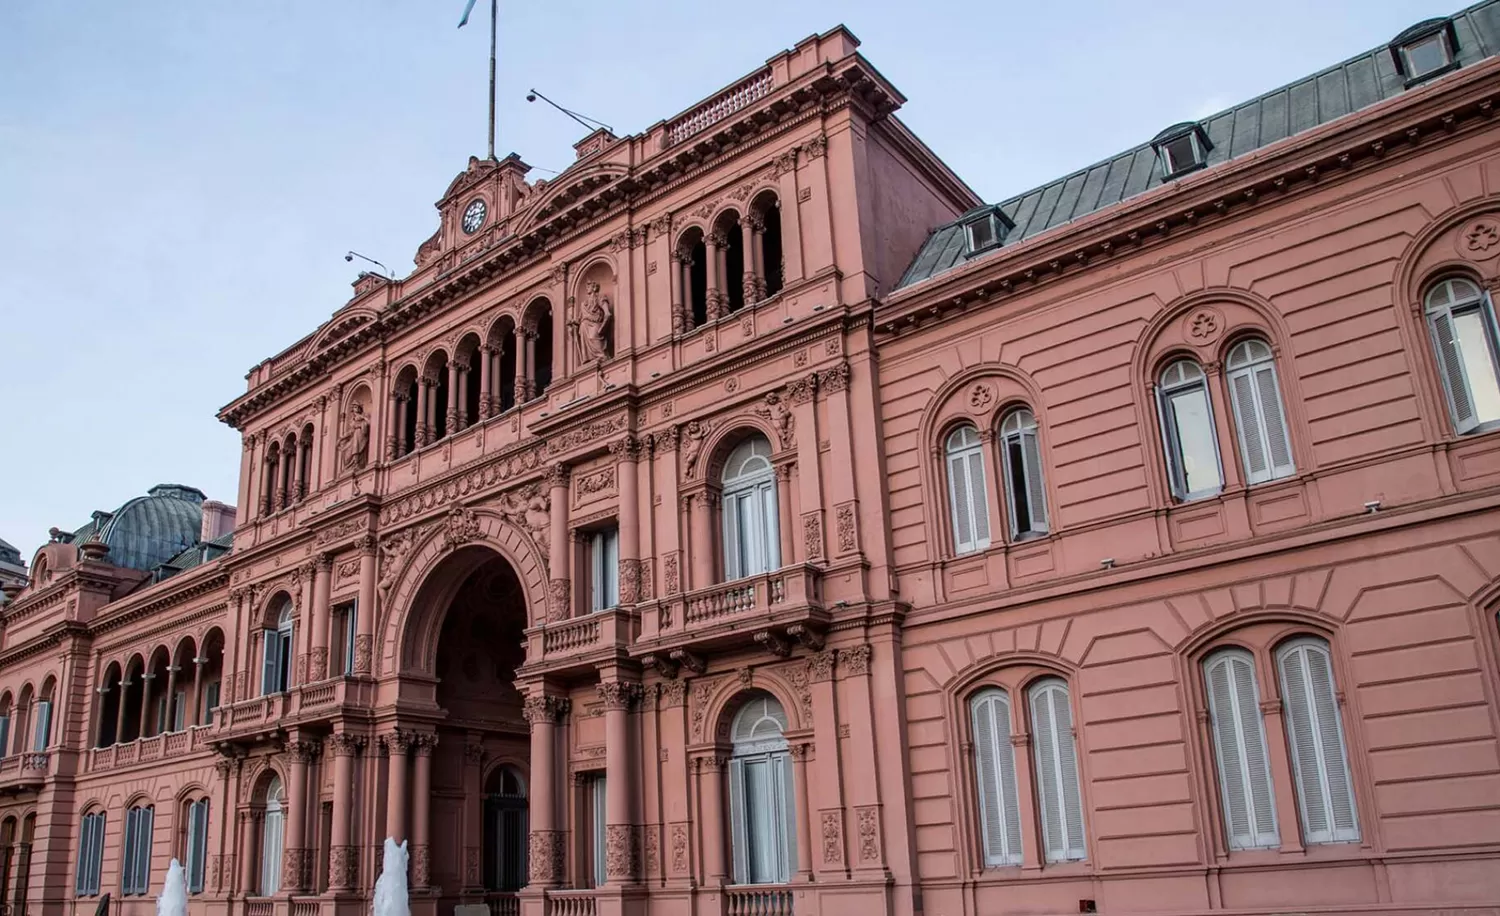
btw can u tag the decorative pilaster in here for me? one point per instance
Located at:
(543, 712)
(421, 824)
(558, 594)
(343, 856)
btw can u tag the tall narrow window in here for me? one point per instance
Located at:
(135, 868)
(276, 655)
(42, 730)
(761, 806)
(505, 831)
(90, 855)
(604, 569)
(1325, 793)
(210, 702)
(967, 492)
(596, 800)
(752, 544)
(5, 735)
(347, 629)
(1187, 424)
(1025, 494)
(1058, 792)
(995, 768)
(196, 850)
(179, 711)
(1265, 447)
(1240, 750)
(1461, 319)
(271, 837)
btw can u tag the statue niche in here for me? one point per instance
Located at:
(593, 325)
(354, 435)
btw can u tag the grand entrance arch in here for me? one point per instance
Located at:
(463, 639)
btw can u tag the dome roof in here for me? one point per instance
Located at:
(148, 530)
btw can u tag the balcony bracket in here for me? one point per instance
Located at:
(807, 637)
(689, 660)
(664, 666)
(774, 643)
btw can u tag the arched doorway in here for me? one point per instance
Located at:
(467, 632)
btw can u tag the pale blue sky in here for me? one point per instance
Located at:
(179, 180)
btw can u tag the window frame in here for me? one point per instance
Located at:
(277, 647)
(195, 845)
(41, 724)
(1199, 145)
(1014, 429)
(1074, 849)
(1333, 834)
(1260, 836)
(1482, 304)
(270, 878)
(135, 861)
(997, 223)
(775, 811)
(751, 541)
(1258, 425)
(997, 801)
(90, 864)
(1177, 475)
(604, 569)
(1400, 49)
(977, 496)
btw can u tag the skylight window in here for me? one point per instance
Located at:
(1425, 50)
(986, 229)
(1180, 149)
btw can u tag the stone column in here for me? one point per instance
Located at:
(473, 826)
(249, 832)
(804, 813)
(364, 630)
(753, 286)
(146, 679)
(786, 523)
(393, 441)
(421, 810)
(711, 810)
(701, 537)
(559, 604)
(317, 656)
(343, 855)
(455, 414)
(547, 855)
(627, 452)
(119, 712)
(424, 413)
(398, 743)
(486, 383)
(714, 246)
(622, 834)
(681, 288)
(525, 360)
(171, 698)
(294, 845)
(195, 715)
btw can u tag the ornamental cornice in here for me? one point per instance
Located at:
(167, 626)
(813, 95)
(1322, 156)
(119, 618)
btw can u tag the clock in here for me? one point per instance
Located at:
(474, 215)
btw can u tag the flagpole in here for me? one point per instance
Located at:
(494, 4)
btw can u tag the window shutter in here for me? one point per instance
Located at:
(601, 872)
(733, 547)
(770, 528)
(1249, 425)
(787, 811)
(1324, 787)
(143, 853)
(43, 725)
(1057, 772)
(197, 845)
(1239, 746)
(179, 710)
(1067, 756)
(81, 877)
(739, 839)
(958, 492)
(4, 736)
(1278, 443)
(979, 504)
(210, 702)
(1451, 368)
(996, 770)
(270, 642)
(96, 854)
(611, 568)
(1331, 744)
(1032, 455)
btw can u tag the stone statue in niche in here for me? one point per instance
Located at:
(354, 442)
(595, 314)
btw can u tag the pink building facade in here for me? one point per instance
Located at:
(751, 521)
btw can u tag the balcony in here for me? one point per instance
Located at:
(169, 745)
(24, 772)
(303, 705)
(503, 903)
(773, 610)
(758, 900)
(581, 642)
(572, 903)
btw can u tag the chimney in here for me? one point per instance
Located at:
(218, 520)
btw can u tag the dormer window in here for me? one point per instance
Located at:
(1425, 50)
(986, 229)
(1180, 149)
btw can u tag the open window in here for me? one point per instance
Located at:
(985, 229)
(1188, 434)
(1461, 322)
(1181, 148)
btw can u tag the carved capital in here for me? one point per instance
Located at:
(820, 665)
(620, 695)
(855, 660)
(557, 475)
(397, 742)
(345, 744)
(544, 709)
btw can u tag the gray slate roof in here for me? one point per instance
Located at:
(1344, 88)
(148, 530)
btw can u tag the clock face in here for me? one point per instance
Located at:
(474, 216)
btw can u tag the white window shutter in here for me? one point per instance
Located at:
(43, 725)
(1450, 366)
(1057, 772)
(1331, 744)
(787, 811)
(1249, 425)
(996, 770)
(1032, 455)
(979, 499)
(958, 497)
(1240, 752)
(270, 644)
(143, 857)
(739, 839)
(733, 547)
(1324, 789)
(1278, 441)
(770, 528)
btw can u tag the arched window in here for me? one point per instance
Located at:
(41, 721)
(90, 854)
(1265, 447)
(752, 543)
(271, 838)
(1240, 750)
(1056, 762)
(1461, 319)
(1187, 425)
(761, 805)
(505, 831)
(967, 492)
(5, 711)
(995, 769)
(135, 867)
(1315, 735)
(195, 844)
(1025, 495)
(276, 653)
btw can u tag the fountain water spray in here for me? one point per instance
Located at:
(390, 888)
(173, 899)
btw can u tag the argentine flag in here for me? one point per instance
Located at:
(467, 10)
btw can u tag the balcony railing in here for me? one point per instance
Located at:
(741, 95)
(503, 903)
(304, 908)
(582, 640)
(23, 771)
(758, 900)
(157, 747)
(732, 612)
(259, 907)
(307, 702)
(572, 903)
